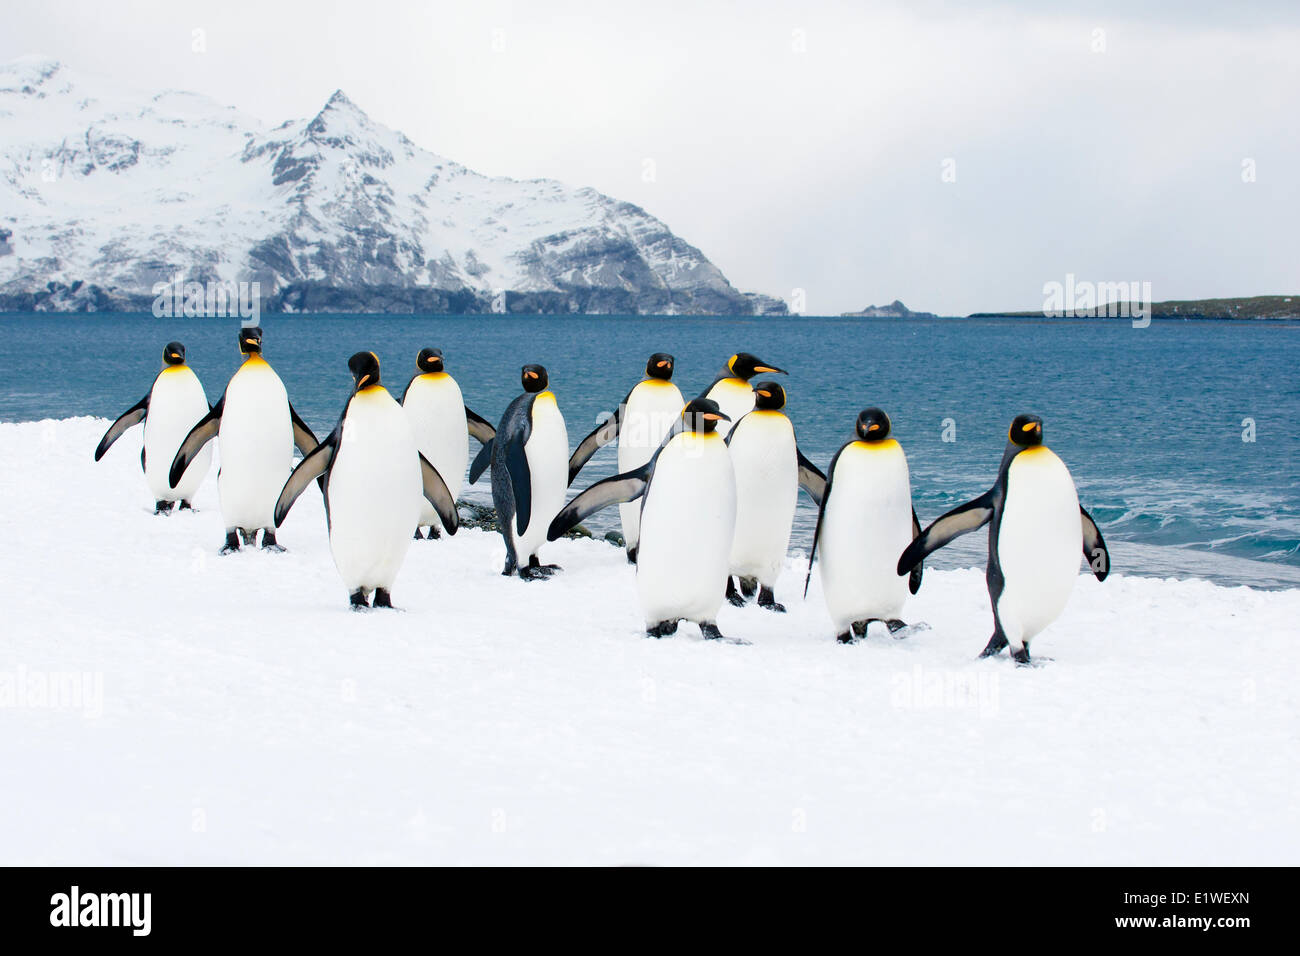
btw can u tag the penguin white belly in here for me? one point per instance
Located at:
(767, 484)
(735, 397)
(866, 526)
(375, 490)
(256, 439)
(547, 452)
(652, 409)
(176, 404)
(1039, 543)
(686, 531)
(436, 410)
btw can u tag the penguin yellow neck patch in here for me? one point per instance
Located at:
(875, 446)
(434, 376)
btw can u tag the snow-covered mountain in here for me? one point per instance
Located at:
(104, 193)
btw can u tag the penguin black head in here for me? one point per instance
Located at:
(769, 396)
(534, 378)
(1026, 431)
(873, 425)
(702, 415)
(429, 360)
(745, 365)
(365, 370)
(173, 354)
(660, 366)
(250, 340)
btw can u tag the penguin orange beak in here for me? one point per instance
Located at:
(717, 417)
(765, 393)
(770, 368)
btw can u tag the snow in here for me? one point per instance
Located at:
(245, 715)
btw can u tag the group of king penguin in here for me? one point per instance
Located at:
(706, 490)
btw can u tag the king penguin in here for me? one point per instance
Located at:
(442, 423)
(866, 517)
(256, 429)
(731, 388)
(688, 516)
(1036, 526)
(770, 470)
(530, 466)
(640, 423)
(375, 481)
(171, 407)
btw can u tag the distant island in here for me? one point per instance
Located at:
(1250, 307)
(895, 310)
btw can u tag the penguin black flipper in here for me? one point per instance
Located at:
(1094, 548)
(199, 435)
(481, 461)
(811, 479)
(302, 435)
(409, 383)
(821, 513)
(601, 435)
(914, 582)
(438, 494)
(960, 520)
(479, 427)
(314, 465)
(520, 478)
(616, 490)
(128, 419)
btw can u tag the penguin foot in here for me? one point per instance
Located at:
(1027, 662)
(900, 630)
(767, 599)
(859, 628)
(269, 543)
(358, 600)
(711, 633)
(232, 543)
(994, 646)
(419, 535)
(434, 534)
(382, 598)
(535, 574)
(662, 629)
(748, 587)
(733, 596)
(250, 537)
(1021, 655)
(163, 507)
(541, 570)
(631, 555)
(847, 637)
(185, 506)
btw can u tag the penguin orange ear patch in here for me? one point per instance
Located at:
(1028, 426)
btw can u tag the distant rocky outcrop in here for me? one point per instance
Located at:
(895, 310)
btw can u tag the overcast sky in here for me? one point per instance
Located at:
(804, 145)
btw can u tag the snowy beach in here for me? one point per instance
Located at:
(233, 710)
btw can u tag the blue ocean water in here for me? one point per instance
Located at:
(1151, 421)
